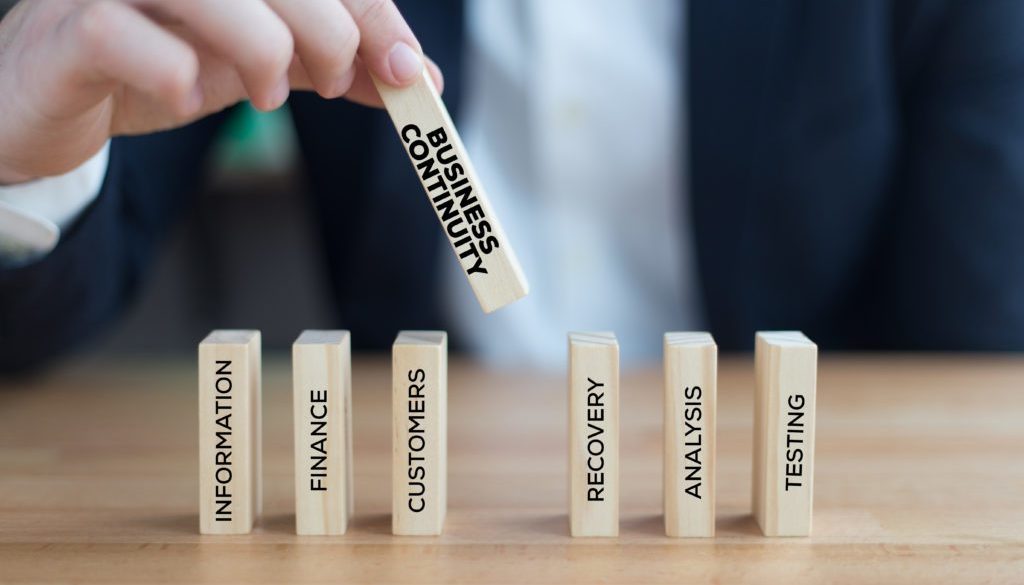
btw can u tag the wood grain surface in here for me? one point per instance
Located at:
(919, 479)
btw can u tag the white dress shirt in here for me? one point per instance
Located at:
(33, 214)
(575, 121)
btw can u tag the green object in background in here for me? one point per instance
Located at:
(255, 142)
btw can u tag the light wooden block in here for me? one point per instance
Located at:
(419, 473)
(593, 434)
(322, 411)
(455, 192)
(691, 394)
(786, 364)
(230, 447)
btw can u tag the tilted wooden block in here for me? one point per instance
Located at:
(786, 364)
(230, 446)
(691, 391)
(455, 192)
(593, 434)
(322, 409)
(419, 473)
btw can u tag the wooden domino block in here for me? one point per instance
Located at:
(786, 364)
(593, 434)
(419, 407)
(691, 390)
(455, 192)
(230, 447)
(322, 399)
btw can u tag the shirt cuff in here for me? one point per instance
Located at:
(33, 214)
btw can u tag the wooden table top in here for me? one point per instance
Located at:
(920, 479)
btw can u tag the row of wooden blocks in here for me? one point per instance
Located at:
(231, 449)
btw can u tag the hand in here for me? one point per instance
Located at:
(73, 73)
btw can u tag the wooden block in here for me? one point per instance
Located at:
(419, 407)
(322, 398)
(593, 434)
(256, 372)
(230, 449)
(691, 394)
(786, 364)
(455, 192)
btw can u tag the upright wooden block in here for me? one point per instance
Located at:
(455, 192)
(786, 365)
(230, 448)
(419, 473)
(322, 398)
(593, 434)
(691, 394)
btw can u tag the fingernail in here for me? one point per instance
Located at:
(405, 63)
(280, 93)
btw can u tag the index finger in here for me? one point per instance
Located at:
(247, 33)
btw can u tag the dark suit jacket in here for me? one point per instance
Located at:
(857, 172)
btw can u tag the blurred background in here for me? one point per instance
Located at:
(852, 170)
(245, 253)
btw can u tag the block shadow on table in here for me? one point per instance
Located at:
(645, 526)
(173, 523)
